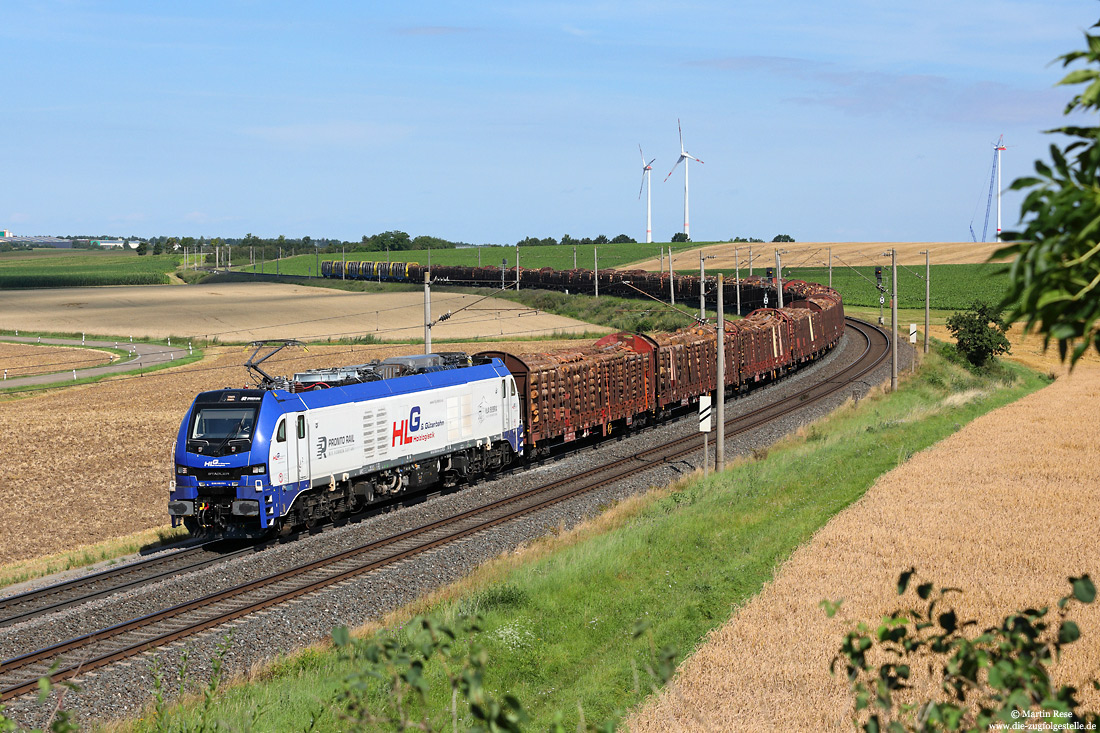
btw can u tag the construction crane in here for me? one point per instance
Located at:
(994, 184)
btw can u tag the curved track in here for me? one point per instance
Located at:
(68, 659)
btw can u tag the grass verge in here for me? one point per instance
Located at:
(558, 615)
(38, 567)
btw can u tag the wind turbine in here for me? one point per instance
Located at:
(647, 173)
(998, 147)
(685, 157)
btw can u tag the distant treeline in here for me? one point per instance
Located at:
(391, 241)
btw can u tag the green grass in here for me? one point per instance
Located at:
(558, 629)
(954, 287)
(84, 269)
(625, 314)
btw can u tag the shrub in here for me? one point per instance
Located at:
(980, 333)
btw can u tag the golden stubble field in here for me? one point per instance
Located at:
(21, 360)
(815, 254)
(245, 311)
(1007, 509)
(92, 462)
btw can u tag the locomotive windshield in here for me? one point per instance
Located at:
(221, 429)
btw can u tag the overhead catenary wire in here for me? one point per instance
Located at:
(353, 349)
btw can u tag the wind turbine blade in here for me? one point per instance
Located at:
(641, 154)
(681, 131)
(674, 167)
(689, 155)
(641, 187)
(649, 163)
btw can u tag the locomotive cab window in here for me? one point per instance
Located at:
(301, 426)
(223, 423)
(220, 430)
(280, 435)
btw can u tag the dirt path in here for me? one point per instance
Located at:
(143, 355)
(1006, 509)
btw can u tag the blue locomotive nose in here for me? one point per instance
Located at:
(219, 484)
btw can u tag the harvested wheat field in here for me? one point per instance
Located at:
(93, 462)
(21, 360)
(814, 254)
(235, 312)
(1005, 509)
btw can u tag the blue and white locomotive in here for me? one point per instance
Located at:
(327, 442)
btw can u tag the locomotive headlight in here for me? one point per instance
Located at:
(258, 469)
(181, 470)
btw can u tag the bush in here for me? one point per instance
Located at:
(979, 332)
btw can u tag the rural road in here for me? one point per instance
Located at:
(145, 355)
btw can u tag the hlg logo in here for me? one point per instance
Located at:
(402, 429)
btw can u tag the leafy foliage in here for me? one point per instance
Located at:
(59, 720)
(679, 237)
(979, 332)
(1057, 266)
(391, 687)
(999, 676)
(783, 238)
(393, 668)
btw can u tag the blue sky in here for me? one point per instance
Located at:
(488, 122)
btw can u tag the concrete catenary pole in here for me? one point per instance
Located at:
(894, 320)
(671, 277)
(596, 272)
(830, 250)
(517, 267)
(736, 279)
(702, 288)
(778, 278)
(927, 294)
(427, 314)
(720, 442)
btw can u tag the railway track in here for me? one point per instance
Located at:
(68, 659)
(33, 604)
(39, 602)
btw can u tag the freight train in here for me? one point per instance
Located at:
(321, 444)
(625, 283)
